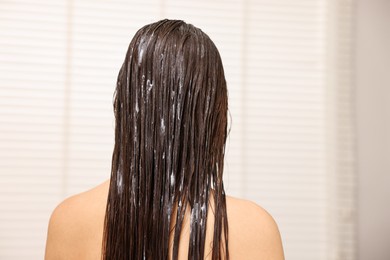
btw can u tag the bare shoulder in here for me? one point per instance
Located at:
(253, 232)
(78, 218)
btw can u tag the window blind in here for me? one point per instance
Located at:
(32, 75)
(288, 66)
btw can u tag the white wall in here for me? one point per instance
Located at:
(373, 126)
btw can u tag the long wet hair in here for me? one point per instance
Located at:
(170, 107)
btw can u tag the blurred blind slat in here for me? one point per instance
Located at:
(341, 136)
(285, 120)
(289, 106)
(32, 73)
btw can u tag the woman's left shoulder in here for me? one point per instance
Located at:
(74, 221)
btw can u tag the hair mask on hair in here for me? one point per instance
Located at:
(170, 107)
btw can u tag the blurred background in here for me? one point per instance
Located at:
(309, 93)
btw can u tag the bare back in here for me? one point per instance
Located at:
(76, 229)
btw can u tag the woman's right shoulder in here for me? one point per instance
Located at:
(253, 232)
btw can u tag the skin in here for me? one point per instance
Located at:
(76, 229)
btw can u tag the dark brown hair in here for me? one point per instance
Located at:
(170, 107)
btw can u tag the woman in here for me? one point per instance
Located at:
(165, 198)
